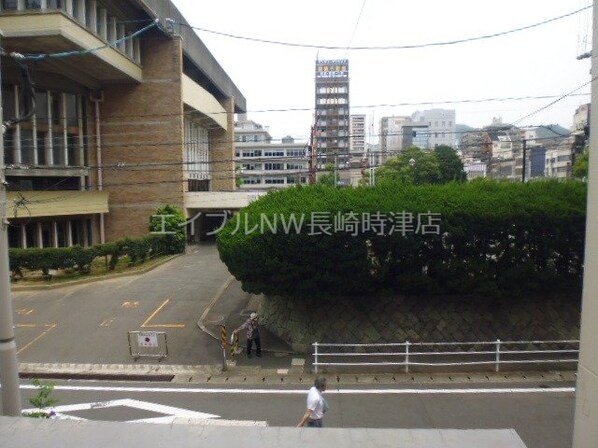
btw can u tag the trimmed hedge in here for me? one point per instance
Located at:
(494, 239)
(80, 258)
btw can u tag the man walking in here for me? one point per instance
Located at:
(253, 335)
(316, 405)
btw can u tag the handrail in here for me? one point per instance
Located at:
(501, 353)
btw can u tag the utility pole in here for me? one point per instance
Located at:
(9, 372)
(312, 156)
(523, 162)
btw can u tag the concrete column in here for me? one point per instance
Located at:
(223, 152)
(112, 33)
(585, 432)
(137, 50)
(81, 15)
(54, 241)
(120, 35)
(23, 230)
(49, 138)
(69, 233)
(103, 31)
(20, 5)
(16, 154)
(92, 14)
(129, 48)
(39, 239)
(65, 146)
(68, 6)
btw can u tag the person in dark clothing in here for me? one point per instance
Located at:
(253, 335)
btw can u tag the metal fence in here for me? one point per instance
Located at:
(445, 354)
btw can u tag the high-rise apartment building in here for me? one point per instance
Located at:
(357, 135)
(332, 126)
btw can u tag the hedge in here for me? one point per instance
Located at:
(80, 258)
(493, 239)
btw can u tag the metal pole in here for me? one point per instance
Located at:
(406, 356)
(523, 162)
(223, 345)
(497, 365)
(316, 357)
(9, 372)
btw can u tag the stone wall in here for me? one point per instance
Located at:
(420, 319)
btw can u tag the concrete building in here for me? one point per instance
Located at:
(332, 124)
(441, 126)
(391, 134)
(139, 115)
(263, 165)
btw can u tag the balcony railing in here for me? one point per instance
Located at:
(89, 14)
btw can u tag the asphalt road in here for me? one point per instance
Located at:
(543, 417)
(89, 323)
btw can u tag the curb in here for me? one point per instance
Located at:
(83, 281)
(211, 374)
(200, 322)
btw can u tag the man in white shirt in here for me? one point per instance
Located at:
(316, 405)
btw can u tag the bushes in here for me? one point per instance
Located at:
(138, 250)
(491, 238)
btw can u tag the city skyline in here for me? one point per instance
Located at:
(509, 76)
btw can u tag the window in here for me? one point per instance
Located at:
(9, 5)
(274, 153)
(252, 153)
(273, 180)
(33, 4)
(273, 166)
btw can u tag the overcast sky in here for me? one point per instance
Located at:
(536, 62)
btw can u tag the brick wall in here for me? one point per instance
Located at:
(143, 124)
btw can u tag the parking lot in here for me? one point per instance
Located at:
(89, 323)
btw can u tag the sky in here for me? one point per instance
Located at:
(541, 61)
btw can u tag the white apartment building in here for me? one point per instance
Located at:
(441, 126)
(263, 165)
(357, 141)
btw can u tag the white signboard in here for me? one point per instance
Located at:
(148, 339)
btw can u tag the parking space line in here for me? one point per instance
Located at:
(50, 328)
(147, 324)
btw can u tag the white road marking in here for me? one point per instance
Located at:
(170, 412)
(523, 390)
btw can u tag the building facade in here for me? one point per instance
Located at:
(130, 114)
(441, 126)
(332, 123)
(263, 165)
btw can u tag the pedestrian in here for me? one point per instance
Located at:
(253, 335)
(316, 405)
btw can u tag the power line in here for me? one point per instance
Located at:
(66, 54)
(385, 47)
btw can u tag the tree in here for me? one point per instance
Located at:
(169, 222)
(412, 166)
(580, 167)
(329, 177)
(451, 166)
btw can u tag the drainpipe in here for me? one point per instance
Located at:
(97, 97)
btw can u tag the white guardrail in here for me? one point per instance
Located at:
(442, 354)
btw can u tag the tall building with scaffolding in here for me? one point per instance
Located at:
(331, 144)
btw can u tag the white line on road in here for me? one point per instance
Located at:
(523, 390)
